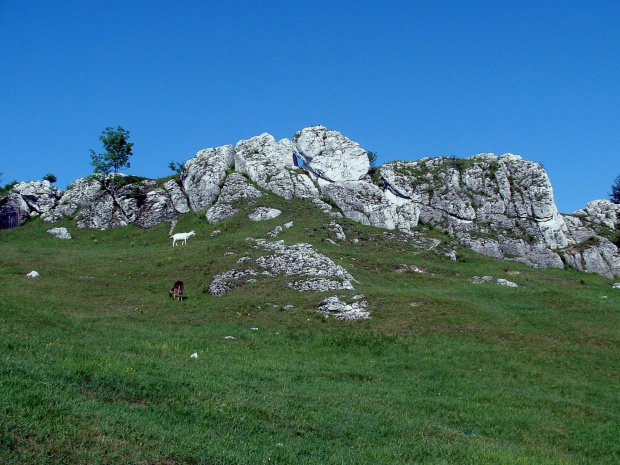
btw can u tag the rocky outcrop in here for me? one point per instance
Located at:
(203, 174)
(99, 203)
(342, 310)
(34, 198)
(156, 208)
(502, 207)
(600, 213)
(312, 270)
(270, 164)
(236, 188)
(595, 235)
(177, 196)
(329, 155)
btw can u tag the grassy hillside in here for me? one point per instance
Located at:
(95, 360)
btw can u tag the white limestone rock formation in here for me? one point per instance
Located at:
(203, 174)
(156, 208)
(601, 213)
(366, 203)
(271, 165)
(499, 206)
(314, 271)
(236, 188)
(329, 155)
(39, 196)
(177, 196)
(100, 204)
(592, 230)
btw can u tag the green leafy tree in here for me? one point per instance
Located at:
(615, 191)
(50, 177)
(117, 151)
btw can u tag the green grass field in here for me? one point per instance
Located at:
(95, 360)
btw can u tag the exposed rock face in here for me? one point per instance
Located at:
(502, 207)
(101, 205)
(235, 189)
(590, 250)
(156, 208)
(34, 198)
(499, 206)
(601, 213)
(203, 174)
(367, 204)
(330, 155)
(271, 165)
(177, 196)
(16, 203)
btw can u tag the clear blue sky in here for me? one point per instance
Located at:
(406, 79)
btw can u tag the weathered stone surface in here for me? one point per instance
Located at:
(235, 188)
(318, 272)
(271, 165)
(39, 196)
(601, 212)
(343, 311)
(202, 175)
(329, 155)
(229, 280)
(16, 203)
(499, 206)
(101, 205)
(336, 230)
(319, 285)
(60, 233)
(156, 208)
(264, 214)
(177, 196)
(596, 255)
(367, 204)
(591, 229)
(299, 259)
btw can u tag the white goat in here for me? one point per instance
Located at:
(181, 237)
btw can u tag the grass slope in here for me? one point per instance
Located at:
(95, 360)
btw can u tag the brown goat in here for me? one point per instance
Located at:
(177, 291)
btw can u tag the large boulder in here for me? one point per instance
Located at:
(203, 174)
(271, 165)
(329, 155)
